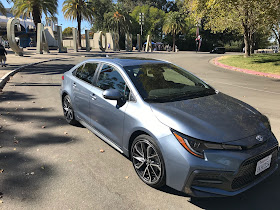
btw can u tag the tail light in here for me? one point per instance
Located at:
(62, 77)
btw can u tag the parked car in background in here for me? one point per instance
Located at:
(219, 50)
(176, 129)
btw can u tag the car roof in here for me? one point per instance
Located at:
(127, 61)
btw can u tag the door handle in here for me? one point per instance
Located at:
(74, 85)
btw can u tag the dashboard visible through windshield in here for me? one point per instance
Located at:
(165, 82)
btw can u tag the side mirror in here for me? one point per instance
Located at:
(112, 94)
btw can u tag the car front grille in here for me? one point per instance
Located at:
(230, 181)
(247, 170)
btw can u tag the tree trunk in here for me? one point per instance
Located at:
(276, 32)
(79, 29)
(36, 19)
(174, 39)
(36, 15)
(251, 41)
(246, 34)
(247, 42)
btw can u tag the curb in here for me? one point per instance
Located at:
(246, 71)
(7, 76)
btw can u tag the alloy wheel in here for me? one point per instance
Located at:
(67, 109)
(147, 162)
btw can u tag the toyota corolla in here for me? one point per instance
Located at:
(176, 129)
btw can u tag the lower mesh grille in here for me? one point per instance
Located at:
(247, 170)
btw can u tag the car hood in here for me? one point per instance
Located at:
(215, 118)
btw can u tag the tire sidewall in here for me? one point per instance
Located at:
(72, 121)
(148, 138)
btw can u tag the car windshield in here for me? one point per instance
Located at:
(165, 82)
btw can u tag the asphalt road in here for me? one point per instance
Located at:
(49, 164)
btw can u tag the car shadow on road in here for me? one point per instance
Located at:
(265, 195)
(172, 191)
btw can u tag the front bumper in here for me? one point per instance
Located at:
(203, 183)
(221, 173)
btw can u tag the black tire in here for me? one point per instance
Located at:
(68, 110)
(147, 161)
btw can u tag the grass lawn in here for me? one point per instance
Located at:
(268, 63)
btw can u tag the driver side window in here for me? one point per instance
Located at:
(110, 78)
(86, 72)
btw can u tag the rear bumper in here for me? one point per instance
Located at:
(203, 183)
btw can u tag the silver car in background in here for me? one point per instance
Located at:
(176, 129)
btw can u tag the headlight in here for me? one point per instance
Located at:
(196, 147)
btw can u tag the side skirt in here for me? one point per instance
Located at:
(100, 135)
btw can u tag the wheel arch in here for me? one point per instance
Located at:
(134, 135)
(63, 94)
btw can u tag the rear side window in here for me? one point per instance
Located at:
(110, 78)
(86, 72)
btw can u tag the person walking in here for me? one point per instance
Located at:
(3, 54)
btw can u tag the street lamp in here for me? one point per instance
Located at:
(141, 21)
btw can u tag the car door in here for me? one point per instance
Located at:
(82, 89)
(106, 116)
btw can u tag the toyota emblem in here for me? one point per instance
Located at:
(259, 138)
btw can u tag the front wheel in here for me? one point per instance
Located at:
(68, 110)
(147, 161)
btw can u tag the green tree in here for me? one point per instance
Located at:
(78, 10)
(160, 4)
(245, 16)
(34, 9)
(153, 21)
(175, 23)
(276, 31)
(104, 6)
(274, 25)
(67, 31)
(118, 20)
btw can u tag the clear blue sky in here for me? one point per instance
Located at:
(61, 21)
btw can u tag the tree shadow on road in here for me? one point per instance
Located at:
(23, 175)
(15, 96)
(24, 131)
(49, 68)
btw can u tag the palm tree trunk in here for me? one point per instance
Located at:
(79, 29)
(174, 38)
(36, 15)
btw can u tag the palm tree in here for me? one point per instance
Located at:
(2, 8)
(78, 10)
(34, 9)
(118, 20)
(174, 24)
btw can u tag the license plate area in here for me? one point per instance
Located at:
(263, 164)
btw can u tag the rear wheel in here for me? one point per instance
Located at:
(147, 161)
(68, 110)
